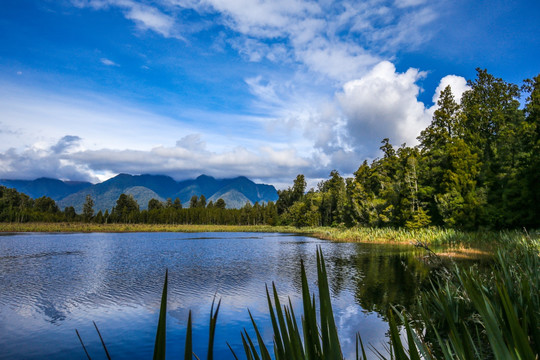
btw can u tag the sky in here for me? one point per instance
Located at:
(264, 89)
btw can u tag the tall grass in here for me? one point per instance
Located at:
(467, 315)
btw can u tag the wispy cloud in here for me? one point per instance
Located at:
(146, 17)
(108, 62)
(336, 39)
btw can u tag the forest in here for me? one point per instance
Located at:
(477, 165)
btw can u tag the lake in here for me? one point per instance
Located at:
(52, 284)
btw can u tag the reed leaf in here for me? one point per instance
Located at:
(160, 344)
(212, 328)
(188, 350)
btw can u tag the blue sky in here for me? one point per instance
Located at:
(264, 89)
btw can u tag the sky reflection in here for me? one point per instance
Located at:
(52, 284)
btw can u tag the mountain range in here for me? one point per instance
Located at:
(235, 191)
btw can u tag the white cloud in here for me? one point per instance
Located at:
(192, 142)
(65, 143)
(108, 62)
(458, 84)
(333, 38)
(383, 104)
(146, 17)
(149, 18)
(119, 137)
(408, 3)
(59, 161)
(34, 162)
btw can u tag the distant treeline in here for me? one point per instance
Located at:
(477, 165)
(19, 207)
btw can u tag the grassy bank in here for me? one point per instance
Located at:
(112, 228)
(433, 237)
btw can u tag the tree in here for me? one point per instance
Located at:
(154, 204)
(88, 208)
(333, 199)
(126, 208)
(299, 188)
(177, 204)
(220, 204)
(445, 124)
(493, 123)
(69, 213)
(46, 205)
(201, 202)
(193, 202)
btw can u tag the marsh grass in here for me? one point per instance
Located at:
(462, 243)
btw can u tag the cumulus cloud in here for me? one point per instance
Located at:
(188, 162)
(34, 162)
(383, 104)
(458, 84)
(192, 142)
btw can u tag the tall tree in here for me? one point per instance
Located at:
(220, 204)
(126, 209)
(154, 204)
(492, 122)
(88, 208)
(193, 202)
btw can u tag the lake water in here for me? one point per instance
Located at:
(52, 284)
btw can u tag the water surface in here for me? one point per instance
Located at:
(52, 284)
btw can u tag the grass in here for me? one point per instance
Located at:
(123, 228)
(450, 243)
(487, 240)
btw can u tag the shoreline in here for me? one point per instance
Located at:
(453, 242)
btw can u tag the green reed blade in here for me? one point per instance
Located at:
(278, 342)
(230, 348)
(212, 329)
(265, 355)
(160, 345)
(84, 347)
(102, 342)
(188, 351)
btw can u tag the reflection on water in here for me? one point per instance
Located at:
(51, 284)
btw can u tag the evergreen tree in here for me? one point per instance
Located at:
(88, 208)
(154, 204)
(220, 204)
(193, 202)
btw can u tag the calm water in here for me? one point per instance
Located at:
(52, 284)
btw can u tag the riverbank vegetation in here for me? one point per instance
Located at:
(484, 241)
